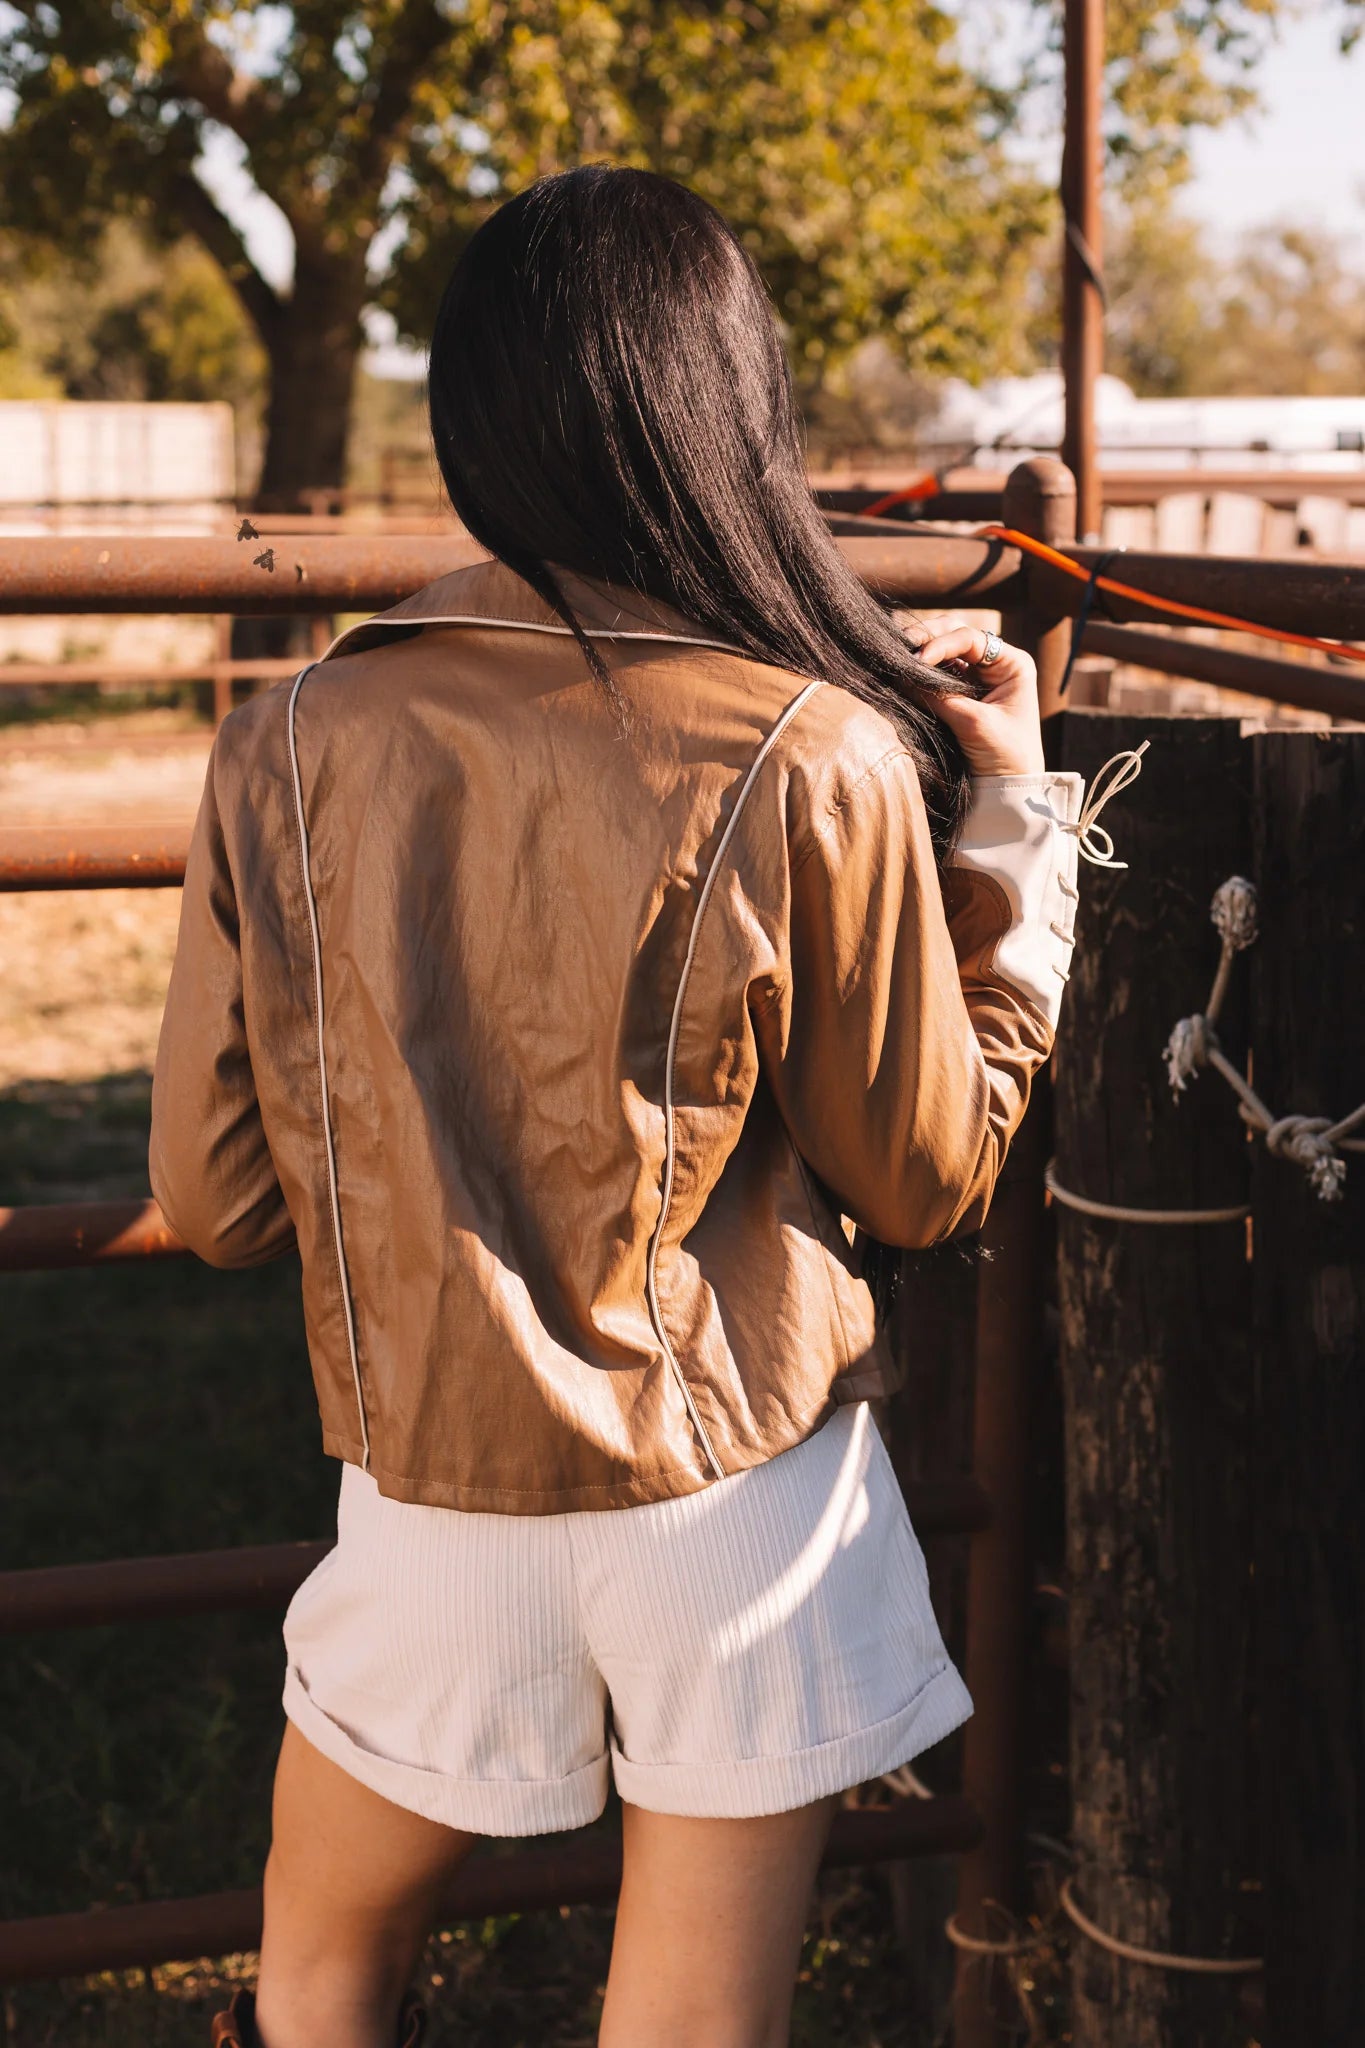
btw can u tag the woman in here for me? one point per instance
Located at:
(589, 964)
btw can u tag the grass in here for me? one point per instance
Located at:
(167, 1407)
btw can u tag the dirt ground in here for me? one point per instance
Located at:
(85, 971)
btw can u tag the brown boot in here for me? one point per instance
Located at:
(236, 2028)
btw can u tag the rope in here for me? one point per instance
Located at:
(1086, 257)
(1313, 1143)
(1087, 606)
(979, 1945)
(1341, 650)
(1119, 1212)
(1095, 843)
(1155, 1958)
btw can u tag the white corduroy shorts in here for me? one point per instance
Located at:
(742, 1650)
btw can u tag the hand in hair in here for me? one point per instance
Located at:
(999, 730)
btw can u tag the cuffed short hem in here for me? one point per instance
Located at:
(493, 1806)
(741, 1788)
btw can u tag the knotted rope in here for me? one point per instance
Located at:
(1095, 844)
(1314, 1143)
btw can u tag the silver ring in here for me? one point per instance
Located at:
(995, 647)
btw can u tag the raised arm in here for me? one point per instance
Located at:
(902, 1044)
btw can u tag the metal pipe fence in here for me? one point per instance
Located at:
(311, 576)
(586, 1872)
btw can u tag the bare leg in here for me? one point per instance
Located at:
(708, 1930)
(351, 1892)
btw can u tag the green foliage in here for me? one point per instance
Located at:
(1284, 314)
(850, 147)
(853, 150)
(860, 156)
(127, 320)
(1169, 71)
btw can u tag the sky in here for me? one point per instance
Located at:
(1300, 159)
(1304, 157)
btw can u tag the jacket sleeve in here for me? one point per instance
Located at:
(211, 1168)
(902, 1045)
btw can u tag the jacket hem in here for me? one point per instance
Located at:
(631, 1491)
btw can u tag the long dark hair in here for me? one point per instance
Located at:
(609, 393)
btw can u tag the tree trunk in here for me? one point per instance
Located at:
(1156, 1348)
(1310, 1390)
(314, 349)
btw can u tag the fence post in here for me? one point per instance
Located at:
(1040, 499)
(930, 1439)
(1308, 971)
(1157, 1384)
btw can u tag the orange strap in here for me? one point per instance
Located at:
(923, 487)
(1340, 648)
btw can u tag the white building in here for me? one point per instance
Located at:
(71, 467)
(1023, 416)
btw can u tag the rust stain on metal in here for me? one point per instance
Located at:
(51, 1235)
(93, 857)
(356, 573)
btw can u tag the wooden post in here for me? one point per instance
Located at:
(930, 1438)
(1308, 1029)
(1040, 499)
(1082, 295)
(1000, 1576)
(1157, 1382)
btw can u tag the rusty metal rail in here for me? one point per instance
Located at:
(53, 1234)
(366, 574)
(301, 575)
(1309, 684)
(93, 856)
(266, 1575)
(352, 574)
(145, 675)
(155, 1588)
(588, 1872)
(1310, 596)
(980, 489)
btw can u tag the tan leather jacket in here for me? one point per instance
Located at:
(562, 1052)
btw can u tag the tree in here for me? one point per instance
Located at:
(1169, 71)
(128, 321)
(1284, 315)
(383, 129)
(861, 159)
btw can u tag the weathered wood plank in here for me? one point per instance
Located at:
(1155, 1353)
(1308, 981)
